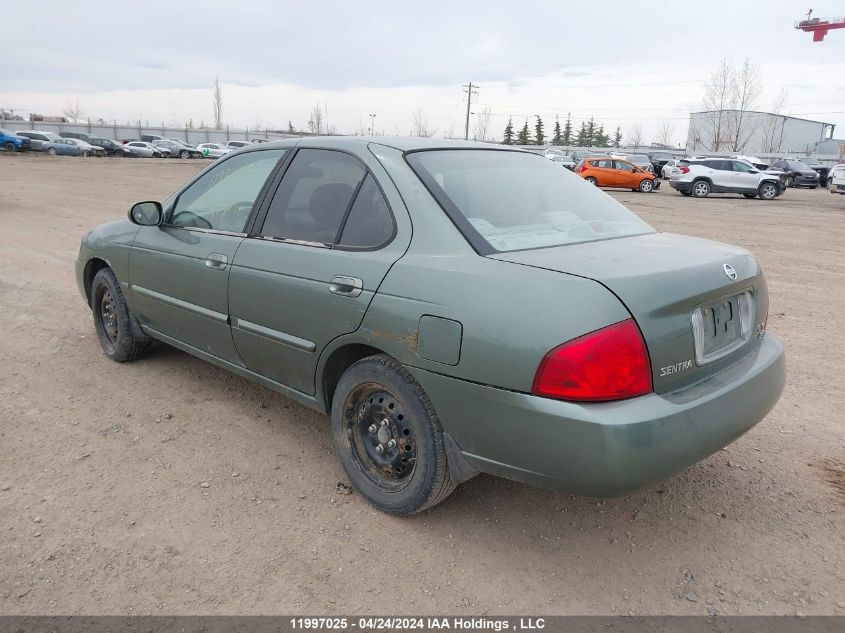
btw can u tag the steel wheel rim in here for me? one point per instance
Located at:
(701, 189)
(108, 317)
(373, 417)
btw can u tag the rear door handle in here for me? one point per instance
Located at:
(216, 261)
(346, 286)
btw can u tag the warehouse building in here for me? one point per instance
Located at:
(752, 132)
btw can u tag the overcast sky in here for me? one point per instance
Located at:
(620, 61)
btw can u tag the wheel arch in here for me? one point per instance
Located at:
(92, 267)
(338, 361)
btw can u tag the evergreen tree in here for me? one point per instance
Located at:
(601, 139)
(591, 132)
(524, 137)
(290, 128)
(539, 134)
(508, 140)
(617, 138)
(583, 139)
(556, 139)
(567, 130)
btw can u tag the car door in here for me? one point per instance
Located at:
(745, 177)
(318, 252)
(626, 174)
(604, 173)
(179, 271)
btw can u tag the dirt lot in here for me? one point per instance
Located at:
(102, 466)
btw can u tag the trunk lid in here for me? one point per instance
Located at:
(662, 279)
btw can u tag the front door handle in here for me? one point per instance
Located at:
(216, 261)
(346, 286)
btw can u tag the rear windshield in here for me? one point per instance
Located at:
(509, 201)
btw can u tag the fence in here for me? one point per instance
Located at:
(192, 136)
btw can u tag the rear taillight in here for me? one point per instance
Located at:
(582, 168)
(608, 364)
(684, 170)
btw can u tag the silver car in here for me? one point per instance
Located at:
(38, 139)
(147, 150)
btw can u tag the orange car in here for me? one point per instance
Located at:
(612, 172)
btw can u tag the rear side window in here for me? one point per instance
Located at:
(503, 200)
(314, 196)
(603, 164)
(369, 223)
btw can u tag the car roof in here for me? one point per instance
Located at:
(402, 143)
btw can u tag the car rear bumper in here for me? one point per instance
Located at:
(606, 449)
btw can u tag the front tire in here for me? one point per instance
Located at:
(52, 151)
(119, 334)
(389, 437)
(700, 189)
(86, 154)
(184, 154)
(790, 181)
(10, 147)
(646, 185)
(767, 191)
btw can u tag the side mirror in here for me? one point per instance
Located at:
(147, 213)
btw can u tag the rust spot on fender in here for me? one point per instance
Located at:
(410, 340)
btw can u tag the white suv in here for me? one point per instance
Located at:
(699, 177)
(836, 179)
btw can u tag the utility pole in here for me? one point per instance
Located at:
(470, 90)
(372, 125)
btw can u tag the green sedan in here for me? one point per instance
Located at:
(455, 308)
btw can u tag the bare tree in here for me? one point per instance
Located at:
(482, 122)
(315, 123)
(719, 95)
(665, 131)
(634, 134)
(748, 84)
(420, 126)
(217, 98)
(770, 136)
(73, 111)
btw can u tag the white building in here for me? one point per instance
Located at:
(754, 133)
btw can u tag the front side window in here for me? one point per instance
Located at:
(222, 198)
(739, 166)
(314, 196)
(506, 201)
(624, 166)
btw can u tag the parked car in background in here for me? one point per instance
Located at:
(87, 148)
(614, 172)
(149, 138)
(640, 160)
(148, 150)
(816, 165)
(11, 142)
(79, 135)
(565, 161)
(699, 177)
(659, 159)
(367, 285)
(113, 148)
(67, 147)
(260, 140)
(178, 148)
(213, 150)
(38, 139)
(836, 179)
(798, 174)
(753, 161)
(238, 144)
(669, 167)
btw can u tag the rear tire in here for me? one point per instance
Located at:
(119, 334)
(52, 151)
(750, 195)
(647, 185)
(700, 189)
(378, 403)
(591, 180)
(686, 193)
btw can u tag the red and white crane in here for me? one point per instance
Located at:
(819, 26)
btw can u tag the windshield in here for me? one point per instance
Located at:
(797, 164)
(508, 201)
(639, 159)
(812, 161)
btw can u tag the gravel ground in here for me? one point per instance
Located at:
(171, 486)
